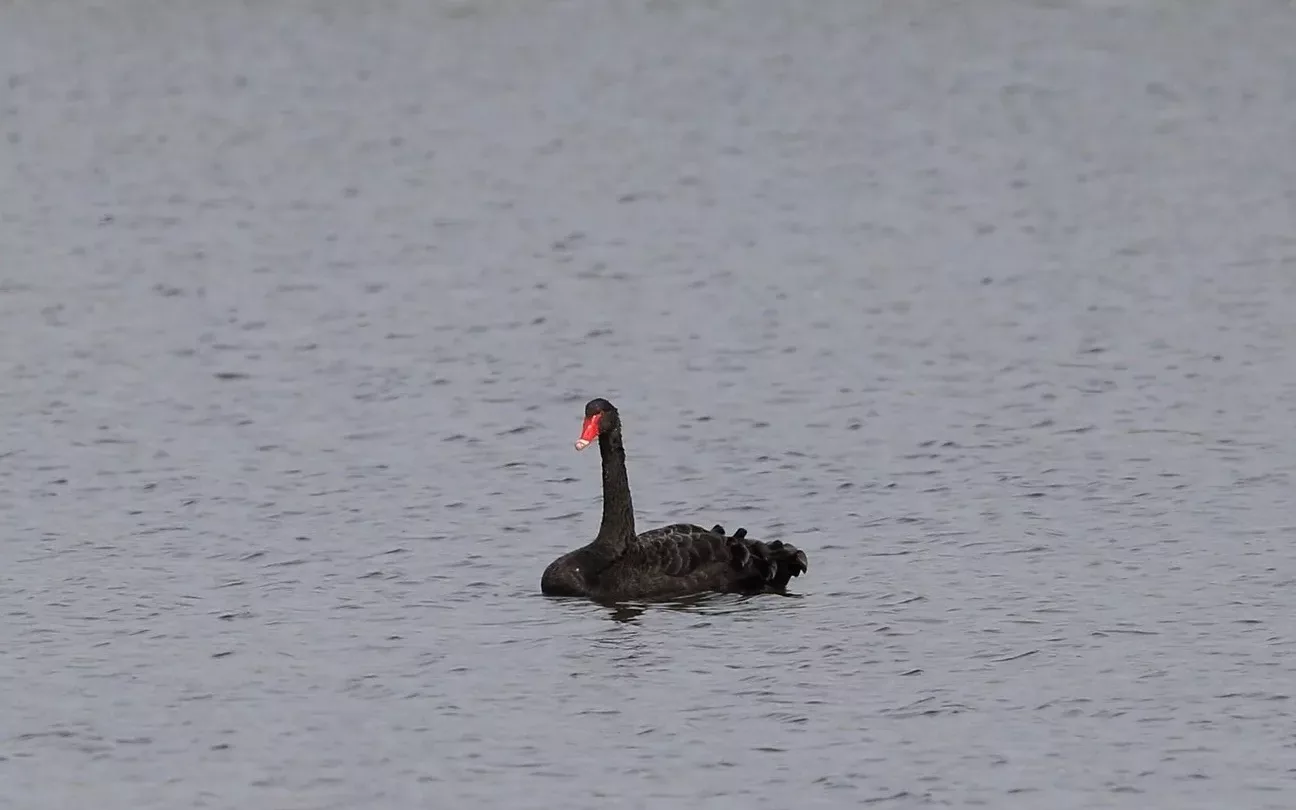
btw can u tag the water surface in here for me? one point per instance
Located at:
(988, 307)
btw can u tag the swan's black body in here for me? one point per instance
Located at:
(670, 562)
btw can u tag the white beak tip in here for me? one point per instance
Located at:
(581, 444)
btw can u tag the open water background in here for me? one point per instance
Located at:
(989, 307)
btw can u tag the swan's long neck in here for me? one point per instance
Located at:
(617, 528)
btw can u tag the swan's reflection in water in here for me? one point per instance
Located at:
(710, 604)
(625, 613)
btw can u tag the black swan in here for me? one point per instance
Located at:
(670, 562)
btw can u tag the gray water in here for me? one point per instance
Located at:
(987, 306)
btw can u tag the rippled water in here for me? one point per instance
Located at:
(988, 307)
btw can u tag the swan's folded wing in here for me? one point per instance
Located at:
(683, 550)
(696, 557)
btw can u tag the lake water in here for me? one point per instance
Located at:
(989, 307)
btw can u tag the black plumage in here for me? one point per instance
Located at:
(668, 562)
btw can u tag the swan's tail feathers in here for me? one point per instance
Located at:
(772, 565)
(789, 561)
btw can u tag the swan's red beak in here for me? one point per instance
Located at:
(589, 431)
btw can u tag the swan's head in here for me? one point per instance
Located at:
(600, 417)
